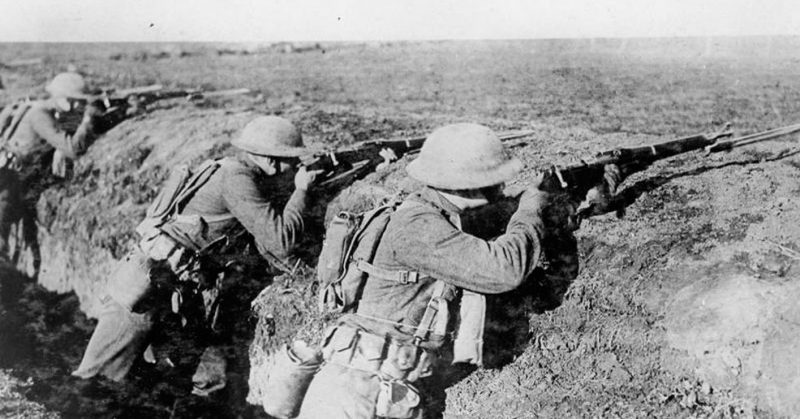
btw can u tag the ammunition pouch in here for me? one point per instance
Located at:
(397, 400)
(161, 263)
(176, 246)
(161, 247)
(357, 349)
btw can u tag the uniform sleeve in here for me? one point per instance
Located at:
(433, 246)
(72, 146)
(276, 231)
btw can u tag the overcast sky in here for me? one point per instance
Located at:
(358, 20)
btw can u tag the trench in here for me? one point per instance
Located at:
(44, 334)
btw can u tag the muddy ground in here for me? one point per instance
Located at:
(685, 307)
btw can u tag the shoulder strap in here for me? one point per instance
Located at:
(18, 111)
(195, 182)
(401, 276)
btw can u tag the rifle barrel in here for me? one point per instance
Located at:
(754, 138)
(138, 90)
(229, 92)
(515, 135)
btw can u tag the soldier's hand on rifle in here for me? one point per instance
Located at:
(304, 178)
(135, 106)
(92, 111)
(598, 199)
(389, 156)
(558, 209)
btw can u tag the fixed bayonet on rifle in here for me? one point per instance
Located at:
(352, 162)
(753, 138)
(579, 178)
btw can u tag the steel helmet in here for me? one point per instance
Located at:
(463, 156)
(271, 136)
(68, 85)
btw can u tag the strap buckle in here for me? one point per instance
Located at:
(407, 277)
(8, 160)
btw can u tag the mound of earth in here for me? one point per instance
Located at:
(681, 306)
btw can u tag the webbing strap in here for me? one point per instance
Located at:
(434, 307)
(401, 276)
(194, 183)
(218, 218)
(17, 118)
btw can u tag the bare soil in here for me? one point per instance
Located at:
(685, 307)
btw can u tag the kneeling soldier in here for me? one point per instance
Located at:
(424, 263)
(232, 197)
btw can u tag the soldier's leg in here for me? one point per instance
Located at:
(210, 375)
(121, 335)
(118, 340)
(30, 231)
(10, 202)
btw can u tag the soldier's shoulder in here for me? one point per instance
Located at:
(415, 209)
(237, 166)
(36, 107)
(38, 111)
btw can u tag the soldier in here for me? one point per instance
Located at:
(28, 147)
(234, 198)
(423, 263)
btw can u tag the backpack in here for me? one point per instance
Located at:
(10, 117)
(350, 243)
(176, 191)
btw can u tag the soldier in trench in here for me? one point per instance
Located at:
(185, 257)
(424, 265)
(35, 152)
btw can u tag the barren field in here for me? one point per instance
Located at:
(684, 307)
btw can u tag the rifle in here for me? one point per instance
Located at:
(579, 178)
(352, 162)
(117, 105)
(22, 62)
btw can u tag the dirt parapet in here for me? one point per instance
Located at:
(681, 308)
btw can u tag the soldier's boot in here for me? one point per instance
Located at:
(210, 374)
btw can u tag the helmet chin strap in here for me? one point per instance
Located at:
(267, 164)
(466, 199)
